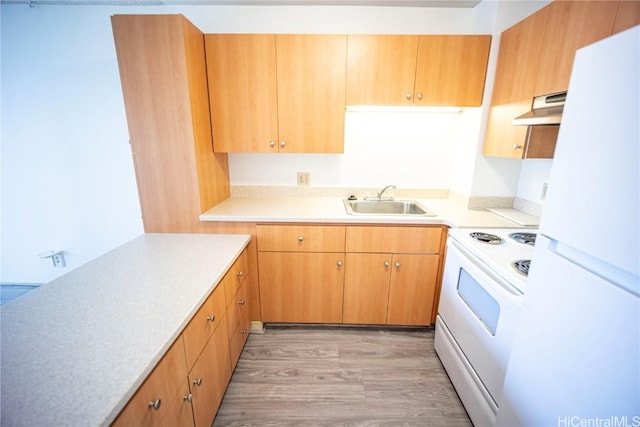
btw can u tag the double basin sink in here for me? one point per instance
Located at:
(386, 207)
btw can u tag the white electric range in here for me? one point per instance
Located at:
(484, 281)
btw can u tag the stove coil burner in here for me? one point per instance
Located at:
(526, 238)
(522, 266)
(491, 239)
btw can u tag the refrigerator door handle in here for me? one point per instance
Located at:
(610, 273)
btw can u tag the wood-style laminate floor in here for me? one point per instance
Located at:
(340, 377)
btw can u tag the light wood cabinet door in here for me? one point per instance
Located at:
(412, 289)
(570, 26)
(627, 15)
(451, 70)
(236, 276)
(416, 70)
(311, 92)
(381, 69)
(209, 377)
(238, 313)
(159, 400)
(164, 85)
(366, 288)
(203, 324)
(241, 70)
(514, 86)
(301, 287)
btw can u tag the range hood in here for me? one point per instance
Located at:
(545, 110)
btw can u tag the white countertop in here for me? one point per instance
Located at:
(331, 210)
(75, 350)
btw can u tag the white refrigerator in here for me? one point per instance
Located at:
(576, 355)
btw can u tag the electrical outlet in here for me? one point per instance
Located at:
(543, 193)
(58, 259)
(304, 178)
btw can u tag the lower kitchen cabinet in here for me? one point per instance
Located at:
(209, 376)
(412, 289)
(391, 274)
(163, 399)
(238, 323)
(301, 287)
(301, 272)
(394, 289)
(188, 384)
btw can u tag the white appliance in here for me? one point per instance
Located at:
(479, 305)
(576, 354)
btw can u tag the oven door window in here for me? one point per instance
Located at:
(485, 308)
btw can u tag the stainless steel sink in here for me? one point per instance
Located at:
(386, 207)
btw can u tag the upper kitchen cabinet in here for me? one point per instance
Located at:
(627, 16)
(163, 74)
(242, 92)
(416, 70)
(514, 85)
(277, 93)
(570, 26)
(535, 59)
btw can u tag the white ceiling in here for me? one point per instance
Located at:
(393, 3)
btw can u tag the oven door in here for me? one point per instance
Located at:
(479, 311)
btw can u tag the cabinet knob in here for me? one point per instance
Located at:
(211, 318)
(155, 404)
(243, 331)
(282, 144)
(408, 96)
(300, 238)
(517, 146)
(239, 273)
(272, 144)
(188, 398)
(386, 264)
(397, 264)
(241, 302)
(339, 263)
(420, 96)
(197, 382)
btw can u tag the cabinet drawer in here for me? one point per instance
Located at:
(393, 239)
(164, 385)
(237, 309)
(239, 338)
(203, 324)
(236, 276)
(300, 238)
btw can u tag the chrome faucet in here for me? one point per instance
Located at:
(379, 195)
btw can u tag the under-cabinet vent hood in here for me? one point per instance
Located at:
(545, 110)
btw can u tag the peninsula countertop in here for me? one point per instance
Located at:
(75, 350)
(331, 210)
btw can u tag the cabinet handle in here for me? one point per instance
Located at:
(155, 404)
(241, 302)
(211, 318)
(386, 264)
(243, 331)
(272, 144)
(397, 264)
(339, 263)
(188, 398)
(408, 96)
(420, 96)
(282, 144)
(300, 239)
(517, 146)
(198, 382)
(239, 273)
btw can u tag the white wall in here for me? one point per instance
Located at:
(67, 176)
